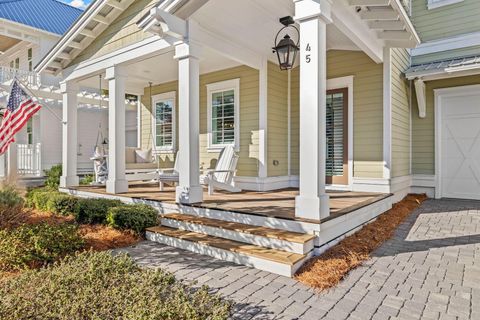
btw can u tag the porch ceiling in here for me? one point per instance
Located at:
(162, 68)
(7, 42)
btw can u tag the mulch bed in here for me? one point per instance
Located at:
(327, 270)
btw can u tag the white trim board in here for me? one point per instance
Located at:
(172, 95)
(447, 44)
(434, 4)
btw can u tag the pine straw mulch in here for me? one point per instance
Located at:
(327, 270)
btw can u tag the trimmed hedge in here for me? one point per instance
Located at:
(94, 211)
(100, 286)
(62, 204)
(135, 217)
(35, 245)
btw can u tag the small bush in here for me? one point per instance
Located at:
(11, 208)
(61, 204)
(87, 180)
(100, 286)
(136, 217)
(94, 210)
(53, 177)
(40, 199)
(34, 245)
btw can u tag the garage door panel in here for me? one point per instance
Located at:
(460, 147)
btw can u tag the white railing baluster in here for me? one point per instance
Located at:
(29, 159)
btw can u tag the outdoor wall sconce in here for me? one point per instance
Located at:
(286, 48)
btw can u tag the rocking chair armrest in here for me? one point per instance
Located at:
(212, 171)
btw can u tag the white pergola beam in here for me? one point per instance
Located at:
(387, 25)
(379, 14)
(369, 2)
(394, 35)
(102, 19)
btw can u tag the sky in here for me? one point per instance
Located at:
(82, 4)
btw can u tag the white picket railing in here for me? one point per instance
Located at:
(29, 159)
(28, 77)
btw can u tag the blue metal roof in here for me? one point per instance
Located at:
(49, 15)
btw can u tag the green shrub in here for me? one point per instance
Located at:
(11, 208)
(94, 210)
(53, 177)
(87, 180)
(99, 286)
(136, 217)
(10, 197)
(35, 245)
(61, 204)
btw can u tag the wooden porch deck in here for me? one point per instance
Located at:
(278, 203)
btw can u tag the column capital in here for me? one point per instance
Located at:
(116, 71)
(188, 50)
(313, 9)
(69, 87)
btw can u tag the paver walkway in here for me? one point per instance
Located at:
(429, 270)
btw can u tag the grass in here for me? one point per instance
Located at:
(327, 270)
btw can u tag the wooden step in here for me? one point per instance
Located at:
(244, 228)
(277, 261)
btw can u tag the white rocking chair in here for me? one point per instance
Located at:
(222, 176)
(169, 175)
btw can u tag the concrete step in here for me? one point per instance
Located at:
(271, 260)
(294, 242)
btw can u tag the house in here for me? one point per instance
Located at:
(323, 147)
(28, 30)
(446, 78)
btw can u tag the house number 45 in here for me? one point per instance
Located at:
(308, 57)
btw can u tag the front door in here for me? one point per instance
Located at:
(337, 137)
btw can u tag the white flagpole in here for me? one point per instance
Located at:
(38, 99)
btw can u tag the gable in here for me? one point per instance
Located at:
(122, 32)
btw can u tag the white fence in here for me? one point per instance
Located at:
(29, 159)
(28, 77)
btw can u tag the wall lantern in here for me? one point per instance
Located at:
(286, 48)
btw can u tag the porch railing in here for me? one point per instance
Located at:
(29, 159)
(28, 77)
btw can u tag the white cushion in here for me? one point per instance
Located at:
(143, 156)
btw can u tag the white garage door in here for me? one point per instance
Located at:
(460, 145)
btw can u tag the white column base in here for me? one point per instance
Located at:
(117, 186)
(69, 181)
(190, 195)
(314, 208)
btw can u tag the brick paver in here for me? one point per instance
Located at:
(430, 269)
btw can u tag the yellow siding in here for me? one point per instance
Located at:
(277, 119)
(295, 121)
(248, 161)
(120, 33)
(400, 114)
(423, 134)
(447, 21)
(367, 110)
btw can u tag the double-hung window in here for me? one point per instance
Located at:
(164, 121)
(30, 59)
(223, 110)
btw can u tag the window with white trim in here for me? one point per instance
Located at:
(30, 59)
(223, 99)
(433, 4)
(164, 121)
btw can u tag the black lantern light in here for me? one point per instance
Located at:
(286, 48)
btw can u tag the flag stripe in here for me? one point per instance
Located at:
(20, 122)
(16, 118)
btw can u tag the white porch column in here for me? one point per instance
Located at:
(116, 183)
(189, 189)
(313, 17)
(69, 176)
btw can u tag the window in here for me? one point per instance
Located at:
(30, 59)
(12, 64)
(164, 121)
(17, 63)
(432, 4)
(30, 131)
(223, 114)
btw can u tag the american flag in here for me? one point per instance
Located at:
(20, 109)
